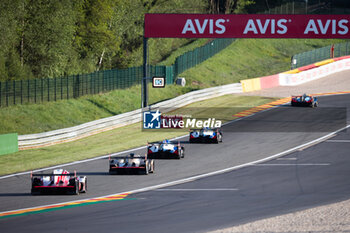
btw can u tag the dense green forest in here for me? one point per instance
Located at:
(52, 38)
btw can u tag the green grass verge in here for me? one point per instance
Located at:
(36, 118)
(111, 141)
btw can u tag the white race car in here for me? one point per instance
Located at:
(131, 164)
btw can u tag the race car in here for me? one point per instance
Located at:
(165, 150)
(205, 135)
(304, 101)
(59, 181)
(131, 164)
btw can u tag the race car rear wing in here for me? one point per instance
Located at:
(51, 174)
(161, 142)
(214, 129)
(128, 157)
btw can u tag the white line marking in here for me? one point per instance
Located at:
(138, 148)
(222, 189)
(296, 164)
(185, 180)
(287, 159)
(338, 141)
(118, 153)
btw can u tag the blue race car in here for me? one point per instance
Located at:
(165, 150)
(205, 135)
(304, 101)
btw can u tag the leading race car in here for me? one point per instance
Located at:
(304, 101)
(205, 135)
(59, 182)
(165, 150)
(131, 164)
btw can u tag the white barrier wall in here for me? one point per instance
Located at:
(90, 128)
(313, 74)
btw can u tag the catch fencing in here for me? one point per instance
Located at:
(316, 55)
(53, 89)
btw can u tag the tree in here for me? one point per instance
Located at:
(48, 36)
(228, 6)
(11, 13)
(94, 35)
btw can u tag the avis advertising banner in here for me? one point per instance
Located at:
(246, 26)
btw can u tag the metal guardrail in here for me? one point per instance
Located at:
(69, 134)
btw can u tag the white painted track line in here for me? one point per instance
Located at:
(341, 141)
(190, 190)
(295, 164)
(189, 179)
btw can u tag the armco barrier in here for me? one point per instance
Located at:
(269, 81)
(251, 84)
(8, 143)
(286, 79)
(69, 134)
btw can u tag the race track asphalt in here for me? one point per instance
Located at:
(313, 176)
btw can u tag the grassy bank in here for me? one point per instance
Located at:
(250, 58)
(111, 141)
(245, 58)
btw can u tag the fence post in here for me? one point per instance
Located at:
(21, 91)
(48, 90)
(86, 84)
(90, 83)
(0, 95)
(14, 92)
(7, 93)
(76, 83)
(34, 90)
(61, 88)
(28, 96)
(103, 82)
(67, 88)
(42, 90)
(144, 88)
(55, 89)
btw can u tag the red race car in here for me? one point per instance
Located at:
(59, 181)
(304, 101)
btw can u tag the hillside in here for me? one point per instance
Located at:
(245, 58)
